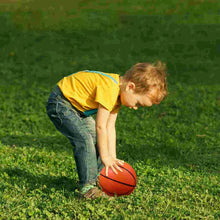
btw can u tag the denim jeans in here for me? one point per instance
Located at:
(81, 132)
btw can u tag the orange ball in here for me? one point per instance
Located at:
(119, 184)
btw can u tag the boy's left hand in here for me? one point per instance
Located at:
(112, 163)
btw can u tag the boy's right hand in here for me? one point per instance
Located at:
(110, 162)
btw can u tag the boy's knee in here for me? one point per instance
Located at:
(85, 143)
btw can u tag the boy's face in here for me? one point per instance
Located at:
(134, 100)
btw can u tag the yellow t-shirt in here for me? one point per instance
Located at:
(86, 89)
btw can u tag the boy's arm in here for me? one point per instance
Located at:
(102, 136)
(112, 133)
(101, 129)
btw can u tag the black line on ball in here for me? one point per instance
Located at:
(129, 172)
(117, 181)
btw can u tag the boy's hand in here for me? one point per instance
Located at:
(112, 163)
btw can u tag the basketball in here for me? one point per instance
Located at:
(119, 184)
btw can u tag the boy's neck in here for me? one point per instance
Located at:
(121, 83)
(121, 80)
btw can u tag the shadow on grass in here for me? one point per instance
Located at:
(22, 177)
(190, 50)
(201, 158)
(57, 143)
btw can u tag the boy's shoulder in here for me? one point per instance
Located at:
(98, 75)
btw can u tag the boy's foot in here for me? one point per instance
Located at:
(94, 193)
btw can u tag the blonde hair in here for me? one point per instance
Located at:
(148, 77)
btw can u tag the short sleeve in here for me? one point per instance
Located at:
(107, 96)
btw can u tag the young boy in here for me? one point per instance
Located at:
(76, 97)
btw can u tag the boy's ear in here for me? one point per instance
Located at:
(131, 86)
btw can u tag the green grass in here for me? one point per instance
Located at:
(174, 147)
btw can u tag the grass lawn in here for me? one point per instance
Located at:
(174, 147)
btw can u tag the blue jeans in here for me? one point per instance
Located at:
(81, 132)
